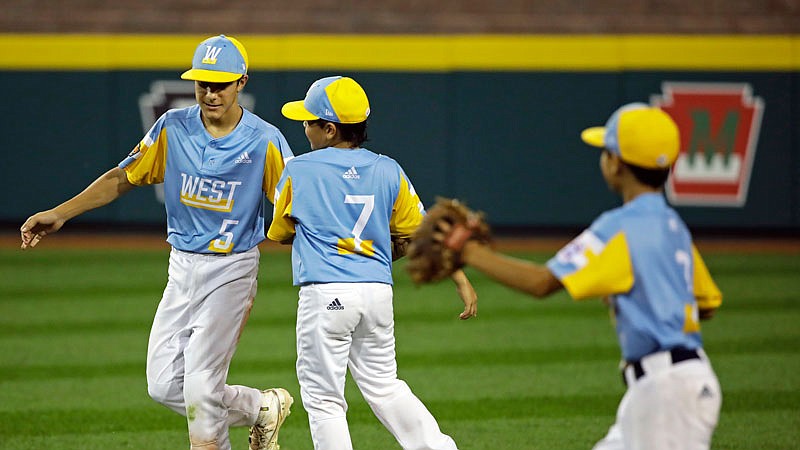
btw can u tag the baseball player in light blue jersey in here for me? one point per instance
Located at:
(340, 205)
(216, 160)
(641, 258)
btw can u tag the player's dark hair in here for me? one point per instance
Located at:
(651, 177)
(356, 133)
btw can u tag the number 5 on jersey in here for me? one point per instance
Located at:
(224, 243)
(355, 244)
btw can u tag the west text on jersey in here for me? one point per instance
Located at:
(216, 195)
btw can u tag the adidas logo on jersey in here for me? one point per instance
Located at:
(351, 174)
(244, 158)
(335, 305)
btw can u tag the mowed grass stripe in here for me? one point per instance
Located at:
(785, 304)
(87, 420)
(31, 423)
(149, 292)
(36, 327)
(595, 405)
(409, 359)
(157, 418)
(84, 292)
(61, 371)
(110, 327)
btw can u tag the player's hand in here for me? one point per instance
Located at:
(38, 226)
(707, 313)
(467, 294)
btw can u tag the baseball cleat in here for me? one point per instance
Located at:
(275, 404)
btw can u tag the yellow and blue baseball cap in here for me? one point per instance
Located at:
(335, 99)
(218, 59)
(641, 135)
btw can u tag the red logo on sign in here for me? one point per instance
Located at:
(719, 125)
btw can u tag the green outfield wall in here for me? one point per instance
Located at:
(494, 120)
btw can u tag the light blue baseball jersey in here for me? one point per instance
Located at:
(213, 187)
(641, 255)
(342, 206)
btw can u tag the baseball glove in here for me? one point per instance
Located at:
(435, 249)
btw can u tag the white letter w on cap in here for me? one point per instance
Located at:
(211, 55)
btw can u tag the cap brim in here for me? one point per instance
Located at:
(595, 136)
(297, 111)
(210, 76)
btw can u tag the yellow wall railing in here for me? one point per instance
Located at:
(418, 53)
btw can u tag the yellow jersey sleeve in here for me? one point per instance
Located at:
(148, 161)
(282, 227)
(407, 211)
(706, 292)
(601, 269)
(273, 168)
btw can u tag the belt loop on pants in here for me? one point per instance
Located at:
(656, 361)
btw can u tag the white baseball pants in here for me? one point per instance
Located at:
(341, 325)
(193, 338)
(671, 407)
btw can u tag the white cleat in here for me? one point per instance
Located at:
(275, 404)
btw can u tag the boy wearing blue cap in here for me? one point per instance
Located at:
(217, 161)
(641, 258)
(341, 206)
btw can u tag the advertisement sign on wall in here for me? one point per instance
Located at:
(719, 125)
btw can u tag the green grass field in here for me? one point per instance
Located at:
(524, 374)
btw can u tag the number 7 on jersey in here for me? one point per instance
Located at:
(355, 244)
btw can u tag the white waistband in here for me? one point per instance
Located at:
(214, 255)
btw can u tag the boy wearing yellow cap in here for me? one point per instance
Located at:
(641, 259)
(340, 205)
(217, 161)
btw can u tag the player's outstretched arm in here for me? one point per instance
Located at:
(528, 277)
(467, 294)
(105, 189)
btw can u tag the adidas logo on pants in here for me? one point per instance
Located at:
(335, 305)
